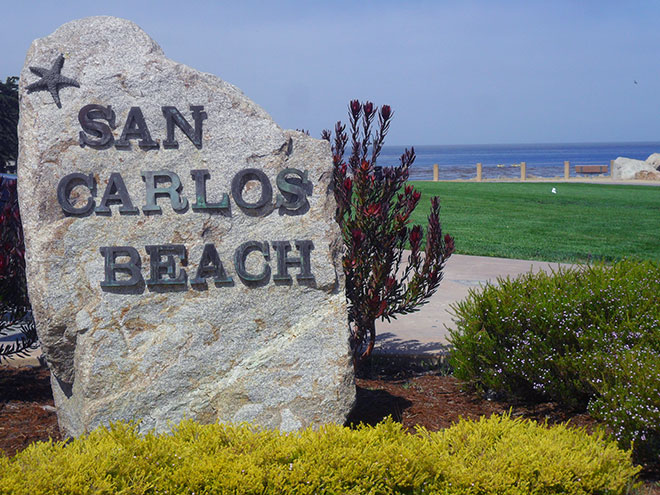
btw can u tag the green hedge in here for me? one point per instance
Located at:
(588, 338)
(490, 456)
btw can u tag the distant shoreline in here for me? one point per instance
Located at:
(503, 162)
(550, 144)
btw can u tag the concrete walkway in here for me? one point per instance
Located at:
(424, 332)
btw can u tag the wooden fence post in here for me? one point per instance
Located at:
(435, 172)
(567, 169)
(479, 172)
(523, 171)
(611, 167)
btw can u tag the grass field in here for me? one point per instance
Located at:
(527, 221)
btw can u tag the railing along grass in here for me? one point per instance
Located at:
(580, 222)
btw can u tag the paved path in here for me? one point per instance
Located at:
(425, 332)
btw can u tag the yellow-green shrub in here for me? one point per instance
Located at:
(497, 455)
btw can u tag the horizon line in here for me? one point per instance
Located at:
(524, 144)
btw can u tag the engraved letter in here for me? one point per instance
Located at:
(135, 128)
(240, 256)
(242, 178)
(151, 179)
(116, 192)
(200, 177)
(132, 267)
(292, 199)
(87, 118)
(283, 261)
(173, 116)
(210, 266)
(306, 268)
(158, 267)
(66, 185)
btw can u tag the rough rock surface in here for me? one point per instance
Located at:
(654, 160)
(647, 175)
(626, 168)
(275, 353)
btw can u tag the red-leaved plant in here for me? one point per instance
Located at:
(15, 313)
(12, 249)
(374, 205)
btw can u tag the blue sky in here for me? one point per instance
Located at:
(455, 72)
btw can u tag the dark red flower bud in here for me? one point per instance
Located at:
(415, 235)
(355, 107)
(365, 165)
(416, 195)
(368, 108)
(409, 189)
(449, 244)
(390, 283)
(381, 308)
(385, 112)
(374, 209)
(358, 236)
(348, 184)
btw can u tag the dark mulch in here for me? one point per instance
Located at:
(427, 398)
(27, 411)
(436, 402)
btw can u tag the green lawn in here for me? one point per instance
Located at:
(528, 221)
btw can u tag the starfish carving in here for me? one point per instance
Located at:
(51, 80)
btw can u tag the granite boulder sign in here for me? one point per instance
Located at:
(182, 258)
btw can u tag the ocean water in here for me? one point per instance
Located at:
(500, 160)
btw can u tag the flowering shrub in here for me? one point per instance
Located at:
(628, 398)
(587, 338)
(14, 304)
(373, 210)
